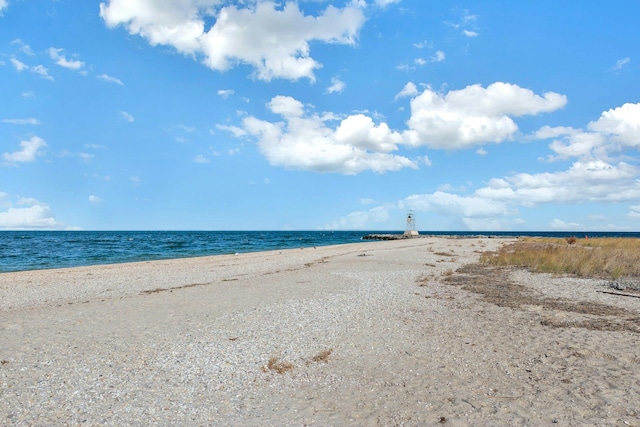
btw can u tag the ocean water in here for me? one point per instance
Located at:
(33, 250)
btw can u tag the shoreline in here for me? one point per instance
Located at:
(40, 250)
(402, 332)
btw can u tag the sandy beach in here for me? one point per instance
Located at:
(408, 332)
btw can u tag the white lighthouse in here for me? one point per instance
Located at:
(410, 230)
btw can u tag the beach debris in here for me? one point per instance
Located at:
(385, 237)
(619, 294)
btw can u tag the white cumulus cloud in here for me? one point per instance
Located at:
(594, 177)
(273, 38)
(35, 215)
(474, 115)
(459, 119)
(617, 129)
(590, 181)
(621, 123)
(308, 141)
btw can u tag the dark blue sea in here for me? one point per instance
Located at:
(34, 250)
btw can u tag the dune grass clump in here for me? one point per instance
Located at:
(602, 258)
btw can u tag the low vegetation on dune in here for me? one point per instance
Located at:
(602, 258)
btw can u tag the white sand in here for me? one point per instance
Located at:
(378, 333)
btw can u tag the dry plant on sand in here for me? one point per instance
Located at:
(323, 356)
(602, 258)
(276, 365)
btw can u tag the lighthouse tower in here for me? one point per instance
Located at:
(410, 230)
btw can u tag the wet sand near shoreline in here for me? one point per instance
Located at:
(407, 332)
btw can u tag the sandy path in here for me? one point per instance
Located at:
(380, 333)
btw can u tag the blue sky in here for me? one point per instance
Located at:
(222, 115)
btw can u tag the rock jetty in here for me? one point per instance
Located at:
(387, 237)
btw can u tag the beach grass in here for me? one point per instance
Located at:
(602, 258)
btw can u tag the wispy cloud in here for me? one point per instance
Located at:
(29, 121)
(465, 21)
(235, 130)
(200, 159)
(42, 72)
(385, 3)
(28, 152)
(110, 79)
(19, 65)
(410, 89)
(128, 117)
(439, 56)
(621, 63)
(185, 128)
(24, 48)
(58, 56)
(36, 69)
(225, 93)
(423, 44)
(337, 86)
